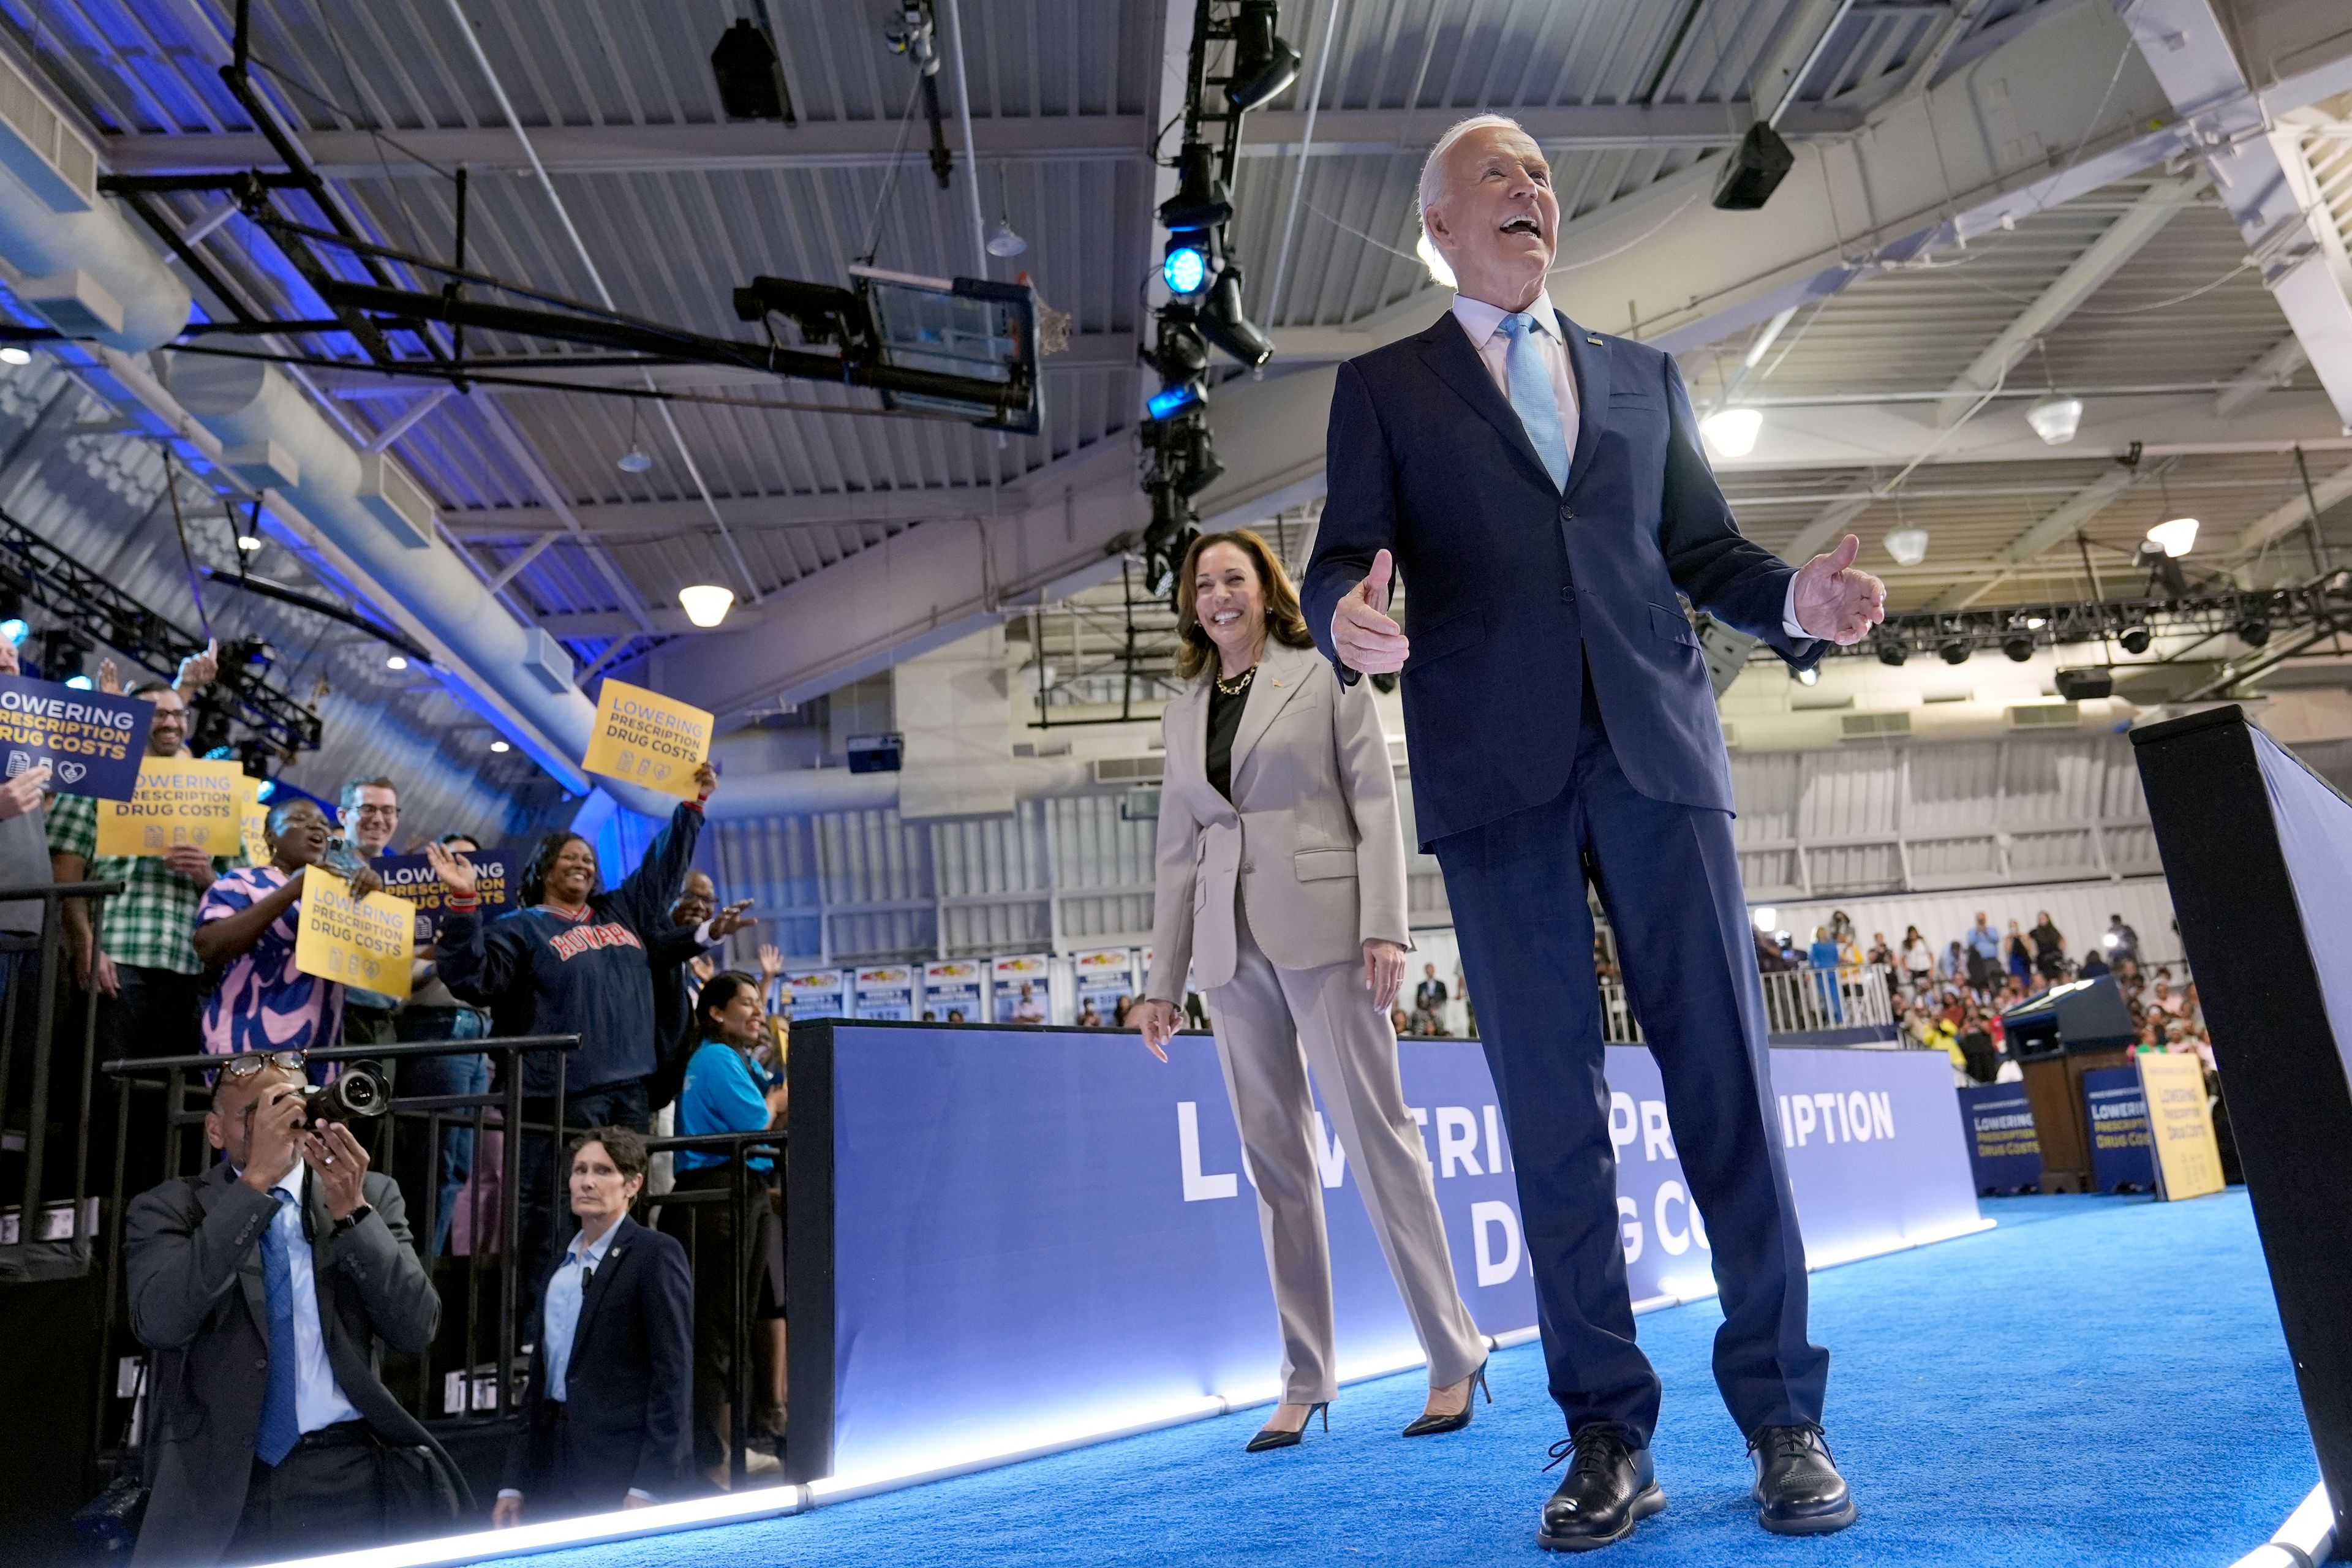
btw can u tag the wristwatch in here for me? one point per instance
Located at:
(350, 1222)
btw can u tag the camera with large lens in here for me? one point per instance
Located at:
(356, 1094)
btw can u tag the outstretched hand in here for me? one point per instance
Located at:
(1835, 599)
(456, 872)
(1367, 640)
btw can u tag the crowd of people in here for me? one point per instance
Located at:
(1951, 997)
(260, 1455)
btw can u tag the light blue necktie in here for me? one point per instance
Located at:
(281, 1422)
(1532, 397)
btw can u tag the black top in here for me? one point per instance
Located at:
(1224, 723)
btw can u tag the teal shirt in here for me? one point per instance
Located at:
(723, 1093)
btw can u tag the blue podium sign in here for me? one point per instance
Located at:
(2122, 1153)
(1087, 1211)
(2003, 1145)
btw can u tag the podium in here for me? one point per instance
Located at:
(2055, 1038)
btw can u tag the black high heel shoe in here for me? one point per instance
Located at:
(1430, 1426)
(1267, 1437)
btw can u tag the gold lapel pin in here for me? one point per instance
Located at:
(1593, 340)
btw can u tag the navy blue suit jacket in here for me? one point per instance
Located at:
(629, 1385)
(1515, 589)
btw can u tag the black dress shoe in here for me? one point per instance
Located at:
(1610, 1488)
(1798, 1489)
(1430, 1426)
(1275, 1437)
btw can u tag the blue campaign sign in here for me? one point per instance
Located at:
(2122, 1152)
(1088, 1210)
(412, 876)
(91, 741)
(2003, 1144)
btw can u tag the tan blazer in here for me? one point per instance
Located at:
(1311, 841)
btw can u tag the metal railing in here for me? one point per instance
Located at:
(34, 1253)
(1797, 1001)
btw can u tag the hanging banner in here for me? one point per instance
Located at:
(180, 800)
(2002, 1146)
(412, 878)
(366, 943)
(253, 827)
(885, 992)
(1106, 976)
(954, 990)
(815, 994)
(647, 739)
(2122, 1159)
(2181, 1124)
(92, 742)
(1023, 986)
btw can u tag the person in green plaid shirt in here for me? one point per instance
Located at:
(140, 968)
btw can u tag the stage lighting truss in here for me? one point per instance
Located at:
(960, 347)
(89, 612)
(2187, 626)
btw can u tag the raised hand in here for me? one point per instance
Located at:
(732, 919)
(199, 670)
(1368, 641)
(706, 779)
(456, 872)
(1835, 599)
(771, 961)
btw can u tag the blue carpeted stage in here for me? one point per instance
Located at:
(2097, 1381)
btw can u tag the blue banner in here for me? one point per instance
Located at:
(91, 741)
(2003, 1148)
(1086, 1210)
(2122, 1155)
(412, 876)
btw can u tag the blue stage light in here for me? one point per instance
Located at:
(268, 787)
(1175, 399)
(1186, 270)
(15, 631)
(80, 682)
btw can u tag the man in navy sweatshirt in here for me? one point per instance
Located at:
(571, 960)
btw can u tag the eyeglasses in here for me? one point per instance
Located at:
(252, 1062)
(375, 811)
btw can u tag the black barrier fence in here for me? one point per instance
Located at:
(43, 1094)
(2258, 849)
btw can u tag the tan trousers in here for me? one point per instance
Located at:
(1262, 1018)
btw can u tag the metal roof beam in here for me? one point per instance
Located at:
(865, 143)
(2084, 277)
(2276, 366)
(2258, 164)
(2069, 518)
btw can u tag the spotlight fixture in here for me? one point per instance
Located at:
(2055, 417)
(1810, 675)
(15, 353)
(2018, 646)
(396, 662)
(2035, 623)
(750, 77)
(707, 603)
(1955, 651)
(1754, 170)
(243, 660)
(1263, 63)
(1004, 241)
(2135, 641)
(1169, 402)
(248, 543)
(1907, 545)
(1733, 431)
(2255, 630)
(500, 747)
(2176, 538)
(1200, 200)
(1185, 267)
(1891, 654)
(1224, 323)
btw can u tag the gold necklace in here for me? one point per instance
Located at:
(1238, 684)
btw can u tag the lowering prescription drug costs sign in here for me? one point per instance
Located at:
(364, 941)
(93, 743)
(180, 800)
(253, 825)
(647, 739)
(411, 877)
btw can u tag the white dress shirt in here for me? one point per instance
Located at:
(1484, 322)
(319, 1399)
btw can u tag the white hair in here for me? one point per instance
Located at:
(1432, 177)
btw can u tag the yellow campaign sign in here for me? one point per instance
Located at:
(253, 826)
(2181, 1124)
(647, 739)
(180, 800)
(364, 941)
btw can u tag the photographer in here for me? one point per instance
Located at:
(269, 1288)
(246, 925)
